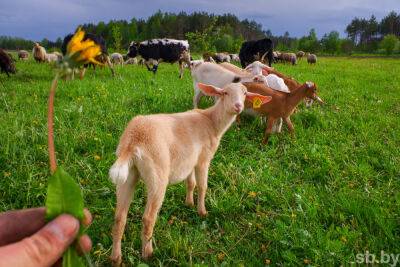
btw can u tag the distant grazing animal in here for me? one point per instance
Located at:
(300, 54)
(117, 58)
(98, 40)
(39, 53)
(6, 63)
(165, 149)
(222, 57)
(23, 55)
(53, 57)
(214, 74)
(282, 105)
(155, 51)
(311, 59)
(289, 57)
(234, 57)
(255, 50)
(131, 61)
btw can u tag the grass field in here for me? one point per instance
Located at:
(318, 198)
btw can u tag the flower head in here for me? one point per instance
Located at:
(82, 51)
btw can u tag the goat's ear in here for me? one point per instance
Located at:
(265, 71)
(253, 96)
(210, 90)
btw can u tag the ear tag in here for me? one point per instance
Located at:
(257, 102)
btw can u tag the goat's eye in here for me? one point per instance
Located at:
(225, 93)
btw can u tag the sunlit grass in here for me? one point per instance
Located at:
(325, 195)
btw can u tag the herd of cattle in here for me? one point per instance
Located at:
(163, 149)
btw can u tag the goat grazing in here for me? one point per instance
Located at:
(282, 105)
(23, 55)
(214, 74)
(165, 149)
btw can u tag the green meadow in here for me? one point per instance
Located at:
(320, 197)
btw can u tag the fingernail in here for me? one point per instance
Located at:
(64, 227)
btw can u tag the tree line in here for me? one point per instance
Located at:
(209, 32)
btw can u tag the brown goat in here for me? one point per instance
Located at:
(282, 104)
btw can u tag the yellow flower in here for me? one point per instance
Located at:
(7, 174)
(97, 157)
(252, 194)
(82, 52)
(257, 102)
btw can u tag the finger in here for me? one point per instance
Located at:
(43, 248)
(87, 217)
(18, 224)
(84, 244)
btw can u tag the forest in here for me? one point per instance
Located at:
(210, 32)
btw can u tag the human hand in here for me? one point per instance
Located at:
(26, 240)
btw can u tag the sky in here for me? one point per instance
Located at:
(38, 19)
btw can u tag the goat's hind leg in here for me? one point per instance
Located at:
(124, 199)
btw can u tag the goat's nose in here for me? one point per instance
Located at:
(238, 107)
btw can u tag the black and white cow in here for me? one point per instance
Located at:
(161, 50)
(256, 50)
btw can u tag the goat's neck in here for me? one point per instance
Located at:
(220, 118)
(294, 97)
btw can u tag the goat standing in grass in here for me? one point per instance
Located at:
(166, 149)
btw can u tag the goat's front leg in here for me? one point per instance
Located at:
(197, 96)
(124, 198)
(190, 185)
(289, 124)
(155, 197)
(202, 179)
(268, 130)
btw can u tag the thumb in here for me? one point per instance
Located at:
(43, 248)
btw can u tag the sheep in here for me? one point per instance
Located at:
(311, 59)
(131, 61)
(39, 53)
(53, 57)
(282, 105)
(117, 58)
(300, 54)
(289, 57)
(6, 63)
(23, 55)
(163, 149)
(213, 74)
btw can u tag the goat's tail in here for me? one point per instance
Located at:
(119, 171)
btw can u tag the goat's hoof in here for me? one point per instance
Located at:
(189, 203)
(116, 260)
(203, 213)
(147, 250)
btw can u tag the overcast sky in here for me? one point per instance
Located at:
(38, 19)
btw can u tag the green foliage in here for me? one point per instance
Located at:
(117, 37)
(389, 43)
(325, 194)
(331, 42)
(309, 43)
(64, 196)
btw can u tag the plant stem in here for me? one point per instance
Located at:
(50, 128)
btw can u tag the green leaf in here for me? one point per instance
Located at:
(71, 258)
(65, 196)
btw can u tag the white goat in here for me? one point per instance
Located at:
(214, 74)
(117, 58)
(165, 149)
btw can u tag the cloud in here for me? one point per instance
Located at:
(38, 19)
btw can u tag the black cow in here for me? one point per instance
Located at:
(102, 58)
(6, 63)
(161, 50)
(256, 50)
